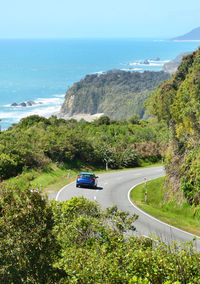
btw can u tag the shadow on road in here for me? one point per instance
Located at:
(98, 188)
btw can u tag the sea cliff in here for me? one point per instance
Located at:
(117, 94)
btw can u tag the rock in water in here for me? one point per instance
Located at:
(14, 104)
(23, 104)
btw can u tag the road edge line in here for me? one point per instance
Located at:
(57, 195)
(155, 219)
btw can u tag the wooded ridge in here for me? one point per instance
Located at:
(117, 94)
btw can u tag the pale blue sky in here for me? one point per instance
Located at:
(100, 18)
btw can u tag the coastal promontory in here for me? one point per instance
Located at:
(117, 94)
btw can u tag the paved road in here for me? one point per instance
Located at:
(113, 189)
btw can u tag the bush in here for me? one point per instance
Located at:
(130, 158)
(7, 166)
(28, 246)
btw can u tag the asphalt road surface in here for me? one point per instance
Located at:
(114, 188)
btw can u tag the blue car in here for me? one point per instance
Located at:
(86, 180)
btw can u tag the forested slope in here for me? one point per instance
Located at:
(177, 102)
(117, 94)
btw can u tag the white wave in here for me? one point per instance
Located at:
(153, 64)
(60, 96)
(158, 61)
(46, 112)
(146, 65)
(44, 107)
(150, 63)
(17, 115)
(131, 69)
(159, 40)
(55, 100)
(186, 40)
(99, 72)
(11, 115)
(49, 101)
(134, 63)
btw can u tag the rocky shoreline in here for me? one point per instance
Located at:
(25, 104)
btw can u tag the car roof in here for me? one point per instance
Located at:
(85, 173)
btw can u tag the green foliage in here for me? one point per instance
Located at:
(130, 158)
(177, 102)
(78, 242)
(7, 166)
(102, 120)
(95, 249)
(166, 205)
(28, 246)
(83, 222)
(35, 142)
(134, 119)
(160, 102)
(117, 94)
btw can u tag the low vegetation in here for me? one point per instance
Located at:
(37, 142)
(77, 242)
(178, 213)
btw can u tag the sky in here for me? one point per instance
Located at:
(97, 18)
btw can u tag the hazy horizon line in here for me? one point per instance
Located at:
(61, 38)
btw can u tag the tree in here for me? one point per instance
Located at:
(86, 233)
(107, 155)
(102, 120)
(7, 166)
(28, 246)
(130, 158)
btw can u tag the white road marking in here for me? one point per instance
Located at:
(59, 192)
(161, 222)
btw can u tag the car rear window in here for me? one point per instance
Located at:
(87, 176)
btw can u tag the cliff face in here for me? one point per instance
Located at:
(178, 103)
(172, 66)
(117, 94)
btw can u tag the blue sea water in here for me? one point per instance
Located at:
(43, 70)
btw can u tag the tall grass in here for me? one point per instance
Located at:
(181, 216)
(49, 180)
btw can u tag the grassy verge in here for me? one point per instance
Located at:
(49, 181)
(179, 216)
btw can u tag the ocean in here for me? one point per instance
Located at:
(41, 71)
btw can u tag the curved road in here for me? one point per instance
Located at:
(113, 189)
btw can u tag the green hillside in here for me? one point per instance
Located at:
(36, 141)
(117, 94)
(177, 102)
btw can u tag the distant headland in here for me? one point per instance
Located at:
(192, 35)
